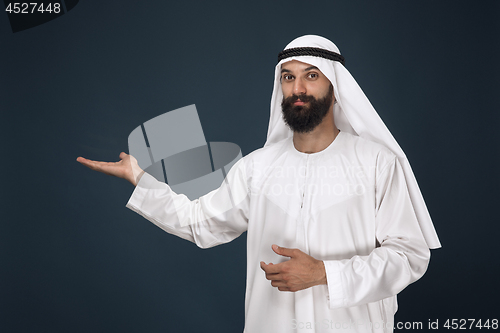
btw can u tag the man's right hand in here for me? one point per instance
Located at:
(127, 168)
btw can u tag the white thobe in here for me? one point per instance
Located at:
(347, 205)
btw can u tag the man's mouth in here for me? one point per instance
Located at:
(299, 102)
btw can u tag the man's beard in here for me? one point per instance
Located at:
(303, 118)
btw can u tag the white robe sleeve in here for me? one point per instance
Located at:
(215, 218)
(401, 258)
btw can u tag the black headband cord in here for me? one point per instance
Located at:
(311, 51)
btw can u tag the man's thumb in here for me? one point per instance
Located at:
(282, 251)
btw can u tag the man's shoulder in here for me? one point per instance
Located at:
(368, 149)
(365, 144)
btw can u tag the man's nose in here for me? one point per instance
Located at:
(299, 88)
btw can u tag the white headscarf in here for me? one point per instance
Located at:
(353, 113)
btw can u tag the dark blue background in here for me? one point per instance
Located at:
(74, 259)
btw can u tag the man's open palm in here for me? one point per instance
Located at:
(127, 168)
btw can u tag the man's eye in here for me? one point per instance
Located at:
(287, 77)
(313, 75)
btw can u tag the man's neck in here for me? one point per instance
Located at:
(318, 139)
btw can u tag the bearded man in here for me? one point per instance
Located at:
(331, 187)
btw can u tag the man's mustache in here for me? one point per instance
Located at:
(303, 98)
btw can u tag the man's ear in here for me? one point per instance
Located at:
(334, 100)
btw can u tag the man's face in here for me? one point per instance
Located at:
(307, 96)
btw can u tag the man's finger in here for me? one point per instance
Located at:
(105, 167)
(274, 277)
(95, 165)
(279, 283)
(86, 162)
(283, 251)
(270, 269)
(82, 160)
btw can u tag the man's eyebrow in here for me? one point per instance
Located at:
(284, 70)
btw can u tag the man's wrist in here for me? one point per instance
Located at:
(138, 178)
(322, 273)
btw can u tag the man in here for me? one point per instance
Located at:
(331, 187)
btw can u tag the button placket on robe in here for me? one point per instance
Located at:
(301, 238)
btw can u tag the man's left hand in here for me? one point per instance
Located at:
(300, 272)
